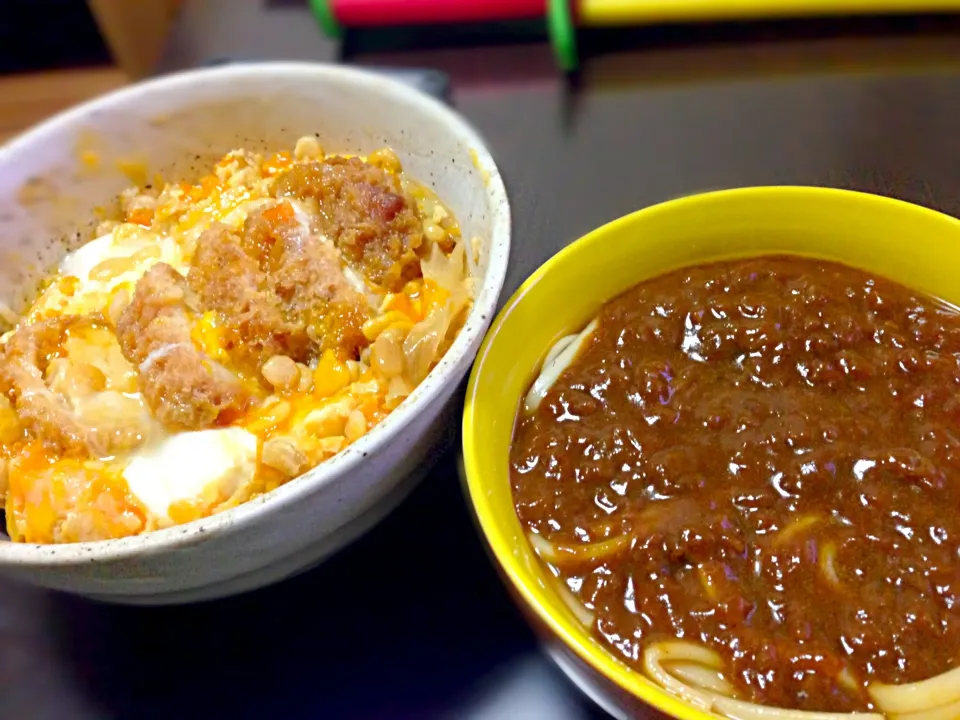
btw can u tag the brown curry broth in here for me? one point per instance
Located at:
(716, 405)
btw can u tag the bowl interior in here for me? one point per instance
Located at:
(917, 247)
(57, 180)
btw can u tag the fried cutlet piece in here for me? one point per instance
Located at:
(304, 272)
(183, 387)
(367, 214)
(230, 282)
(45, 414)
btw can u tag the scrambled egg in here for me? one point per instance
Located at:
(221, 338)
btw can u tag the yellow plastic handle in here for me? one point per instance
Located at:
(626, 12)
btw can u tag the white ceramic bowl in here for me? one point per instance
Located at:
(53, 177)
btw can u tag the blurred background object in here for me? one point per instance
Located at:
(48, 34)
(135, 31)
(57, 53)
(563, 18)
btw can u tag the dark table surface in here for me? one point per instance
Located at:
(411, 621)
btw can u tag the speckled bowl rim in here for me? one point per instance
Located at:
(386, 431)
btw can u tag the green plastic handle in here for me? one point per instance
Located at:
(323, 12)
(563, 34)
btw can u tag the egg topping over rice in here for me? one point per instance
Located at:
(221, 339)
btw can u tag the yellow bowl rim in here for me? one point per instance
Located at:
(600, 660)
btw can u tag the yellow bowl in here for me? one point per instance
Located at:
(915, 246)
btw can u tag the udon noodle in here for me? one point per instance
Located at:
(688, 669)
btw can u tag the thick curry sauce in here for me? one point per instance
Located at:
(769, 451)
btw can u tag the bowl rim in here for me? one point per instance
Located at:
(597, 658)
(23, 555)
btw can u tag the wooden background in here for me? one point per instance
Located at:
(134, 32)
(27, 99)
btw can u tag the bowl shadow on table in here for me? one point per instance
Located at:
(400, 624)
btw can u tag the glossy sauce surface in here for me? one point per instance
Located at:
(771, 449)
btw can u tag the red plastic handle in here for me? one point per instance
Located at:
(386, 13)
